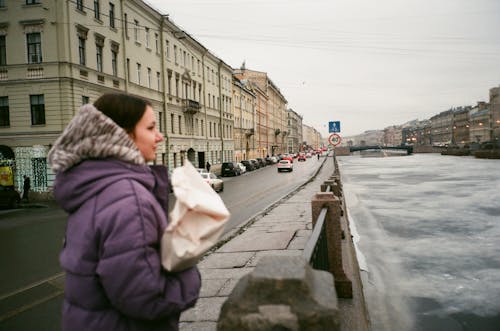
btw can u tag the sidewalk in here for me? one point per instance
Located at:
(283, 230)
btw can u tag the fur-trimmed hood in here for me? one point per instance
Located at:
(92, 135)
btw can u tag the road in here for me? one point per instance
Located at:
(31, 281)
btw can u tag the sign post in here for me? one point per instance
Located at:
(334, 139)
(334, 126)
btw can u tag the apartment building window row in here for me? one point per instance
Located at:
(4, 112)
(33, 2)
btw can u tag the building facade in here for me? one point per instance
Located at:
(74, 51)
(294, 125)
(271, 112)
(244, 105)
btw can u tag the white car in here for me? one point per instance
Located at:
(242, 168)
(285, 165)
(215, 182)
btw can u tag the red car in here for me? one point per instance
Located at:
(301, 158)
(289, 158)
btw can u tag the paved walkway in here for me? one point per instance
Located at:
(282, 230)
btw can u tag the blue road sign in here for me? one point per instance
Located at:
(334, 126)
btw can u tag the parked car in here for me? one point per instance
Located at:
(248, 165)
(201, 170)
(242, 168)
(301, 158)
(9, 197)
(215, 182)
(229, 169)
(261, 161)
(255, 163)
(285, 165)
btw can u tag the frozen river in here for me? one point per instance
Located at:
(427, 229)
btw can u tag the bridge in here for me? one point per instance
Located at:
(409, 149)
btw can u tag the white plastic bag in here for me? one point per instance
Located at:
(196, 221)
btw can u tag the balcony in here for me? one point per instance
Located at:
(249, 132)
(34, 73)
(191, 106)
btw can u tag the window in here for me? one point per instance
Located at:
(128, 69)
(180, 128)
(158, 80)
(34, 47)
(156, 44)
(114, 61)
(125, 18)
(169, 82)
(172, 123)
(3, 51)
(99, 57)
(167, 49)
(79, 5)
(81, 50)
(32, 2)
(111, 15)
(160, 121)
(136, 30)
(97, 13)
(37, 109)
(202, 128)
(85, 100)
(139, 73)
(147, 37)
(149, 77)
(4, 111)
(175, 54)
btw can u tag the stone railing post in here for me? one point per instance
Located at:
(334, 239)
(282, 293)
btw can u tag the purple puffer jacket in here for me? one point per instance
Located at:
(114, 278)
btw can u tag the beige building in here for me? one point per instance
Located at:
(294, 138)
(271, 117)
(479, 117)
(244, 105)
(57, 55)
(312, 137)
(495, 113)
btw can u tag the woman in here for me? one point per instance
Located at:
(117, 208)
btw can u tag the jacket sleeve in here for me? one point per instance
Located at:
(128, 225)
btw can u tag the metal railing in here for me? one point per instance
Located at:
(316, 249)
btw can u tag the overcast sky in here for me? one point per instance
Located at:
(369, 64)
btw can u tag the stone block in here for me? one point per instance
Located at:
(282, 293)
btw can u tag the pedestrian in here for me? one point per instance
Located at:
(318, 156)
(26, 188)
(117, 208)
(208, 166)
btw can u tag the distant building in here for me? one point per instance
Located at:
(244, 106)
(480, 123)
(294, 127)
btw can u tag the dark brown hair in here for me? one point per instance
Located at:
(125, 110)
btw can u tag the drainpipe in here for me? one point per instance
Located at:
(165, 98)
(204, 103)
(124, 33)
(220, 109)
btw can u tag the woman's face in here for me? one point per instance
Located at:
(146, 136)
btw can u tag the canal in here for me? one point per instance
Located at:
(427, 230)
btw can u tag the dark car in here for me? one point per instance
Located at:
(9, 197)
(248, 165)
(255, 163)
(229, 169)
(261, 161)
